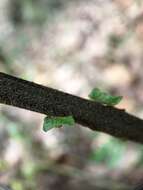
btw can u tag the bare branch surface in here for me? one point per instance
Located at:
(31, 96)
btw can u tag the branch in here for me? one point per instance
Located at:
(31, 96)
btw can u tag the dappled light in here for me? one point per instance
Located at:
(72, 46)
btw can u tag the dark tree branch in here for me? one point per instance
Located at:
(34, 97)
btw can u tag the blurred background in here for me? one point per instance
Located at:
(72, 46)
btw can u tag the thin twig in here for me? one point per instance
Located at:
(31, 96)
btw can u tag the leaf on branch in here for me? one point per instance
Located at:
(104, 98)
(57, 122)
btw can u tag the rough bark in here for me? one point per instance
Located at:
(31, 96)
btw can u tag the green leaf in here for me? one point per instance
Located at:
(104, 98)
(57, 122)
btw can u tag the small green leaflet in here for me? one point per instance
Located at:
(104, 98)
(57, 122)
